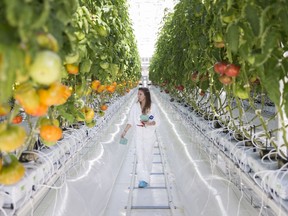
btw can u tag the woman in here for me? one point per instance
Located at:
(145, 117)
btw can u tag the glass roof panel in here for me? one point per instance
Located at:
(146, 16)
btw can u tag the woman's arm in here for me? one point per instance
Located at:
(150, 123)
(130, 121)
(126, 130)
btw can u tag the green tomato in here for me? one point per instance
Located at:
(103, 57)
(251, 59)
(12, 171)
(102, 31)
(228, 18)
(72, 58)
(46, 68)
(104, 65)
(12, 138)
(90, 124)
(218, 38)
(80, 35)
(242, 92)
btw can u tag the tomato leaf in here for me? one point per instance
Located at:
(252, 13)
(283, 14)
(269, 40)
(232, 37)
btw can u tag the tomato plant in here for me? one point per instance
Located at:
(47, 41)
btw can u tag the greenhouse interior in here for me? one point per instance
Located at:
(143, 107)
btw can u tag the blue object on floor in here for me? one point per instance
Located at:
(123, 141)
(142, 184)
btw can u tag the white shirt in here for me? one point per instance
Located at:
(134, 119)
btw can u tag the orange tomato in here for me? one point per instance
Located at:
(56, 94)
(41, 110)
(110, 88)
(12, 170)
(101, 88)
(28, 98)
(114, 84)
(50, 133)
(72, 69)
(95, 84)
(12, 137)
(103, 107)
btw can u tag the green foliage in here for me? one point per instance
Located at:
(84, 32)
(251, 34)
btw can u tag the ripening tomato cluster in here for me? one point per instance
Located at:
(179, 87)
(99, 88)
(226, 71)
(36, 102)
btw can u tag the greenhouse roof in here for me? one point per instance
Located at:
(146, 16)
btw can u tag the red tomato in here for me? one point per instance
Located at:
(17, 119)
(220, 67)
(232, 70)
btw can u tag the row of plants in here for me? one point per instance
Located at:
(61, 62)
(227, 53)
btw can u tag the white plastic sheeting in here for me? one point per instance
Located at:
(78, 172)
(88, 184)
(201, 186)
(96, 179)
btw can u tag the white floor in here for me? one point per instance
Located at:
(184, 179)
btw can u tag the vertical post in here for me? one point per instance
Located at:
(282, 121)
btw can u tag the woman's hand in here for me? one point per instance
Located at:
(152, 123)
(123, 134)
(125, 130)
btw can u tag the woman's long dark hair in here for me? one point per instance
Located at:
(147, 105)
